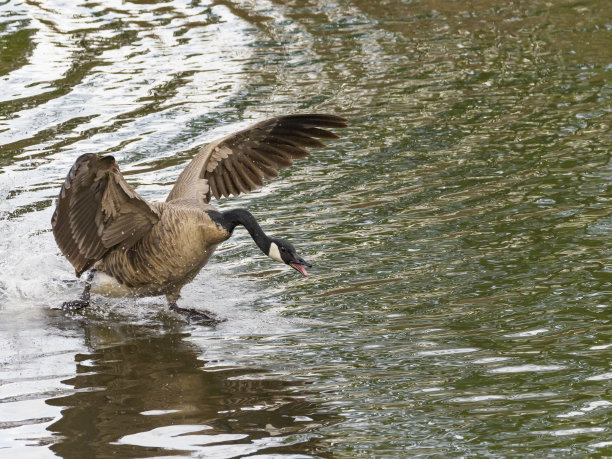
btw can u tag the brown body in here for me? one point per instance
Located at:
(144, 248)
(170, 255)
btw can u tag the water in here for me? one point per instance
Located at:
(460, 299)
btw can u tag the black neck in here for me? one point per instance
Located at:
(243, 217)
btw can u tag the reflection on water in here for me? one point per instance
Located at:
(459, 300)
(143, 391)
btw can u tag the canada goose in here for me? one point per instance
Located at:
(145, 248)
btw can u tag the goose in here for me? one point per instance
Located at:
(130, 246)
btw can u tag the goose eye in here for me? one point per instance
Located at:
(283, 249)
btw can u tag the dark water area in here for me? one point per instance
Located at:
(459, 302)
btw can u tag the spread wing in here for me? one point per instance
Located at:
(97, 210)
(239, 162)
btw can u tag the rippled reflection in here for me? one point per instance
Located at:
(143, 391)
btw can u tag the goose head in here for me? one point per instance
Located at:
(284, 252)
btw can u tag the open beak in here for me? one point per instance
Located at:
(299, 266)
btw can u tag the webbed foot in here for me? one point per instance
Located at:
(83, 302)
(195, 316)
(75, 305)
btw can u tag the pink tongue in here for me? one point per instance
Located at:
(300, 268)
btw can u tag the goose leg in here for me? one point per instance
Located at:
(82, 302)
(194, 315)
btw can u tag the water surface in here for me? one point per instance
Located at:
(460, 299)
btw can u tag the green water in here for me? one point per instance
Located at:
(459, 303)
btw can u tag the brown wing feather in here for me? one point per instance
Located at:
(97, 210)
(239, 162)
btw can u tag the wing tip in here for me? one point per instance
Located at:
(319, 119)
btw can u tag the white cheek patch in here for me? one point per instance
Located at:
(275, 253)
